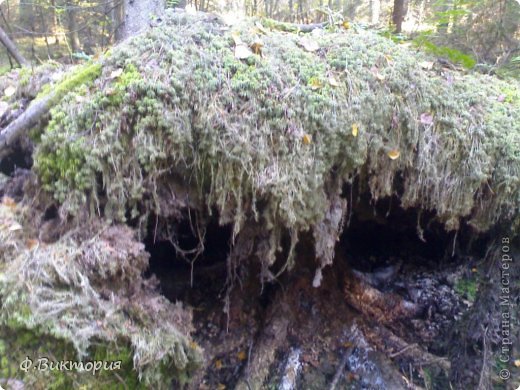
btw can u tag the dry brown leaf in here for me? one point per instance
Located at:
(32, 243)
(242, 355)
(256, 46)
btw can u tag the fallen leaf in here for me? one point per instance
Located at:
(426, 118)
(32, 243)
(345, 24)
(315, 83)
(236, 38)
(427, 65)
(474, 270)
(333, 81)
(242, 52)
(15, 226)
(309, 45)
(307, 139)
(116, 73)
(380, 76)
(517, 363)
(256, 46)
(260, 28)
(9, 202)
(242, 355)
(9, 91)
(355, 129)
(394, 154)
(218, 364)
(221, 386)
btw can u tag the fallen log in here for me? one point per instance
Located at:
(395, 347)
(41, 106)
(386, 308)
(12, 49)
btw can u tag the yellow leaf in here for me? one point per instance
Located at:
(345, 24)
(242, 52)
(242, 355)
(9, 91)
(355, 129)
(315, 83)
(333, 81)
(256, 46)
(116, 73)
(307, 139)
(309, 44)
(218, 364)
(394, 154)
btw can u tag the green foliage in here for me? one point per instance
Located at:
(454, 55)
(467, 287)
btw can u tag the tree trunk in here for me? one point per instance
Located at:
(73, 27)
(399, 13)
(375, 11)
(12, 49)
(137, 16)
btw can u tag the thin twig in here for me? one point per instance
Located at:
(340, 369)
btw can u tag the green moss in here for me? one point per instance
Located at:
(81, 75)
(467, 288)
(238, 130)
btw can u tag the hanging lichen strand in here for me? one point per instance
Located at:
(247, 116)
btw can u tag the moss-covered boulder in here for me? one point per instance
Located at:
(264, 126)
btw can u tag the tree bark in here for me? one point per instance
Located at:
(399, 13)
(73, 27)
(375, 11)
(12, 49)
(29, 118)
(137, 16)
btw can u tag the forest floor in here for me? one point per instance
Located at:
(289, 334)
